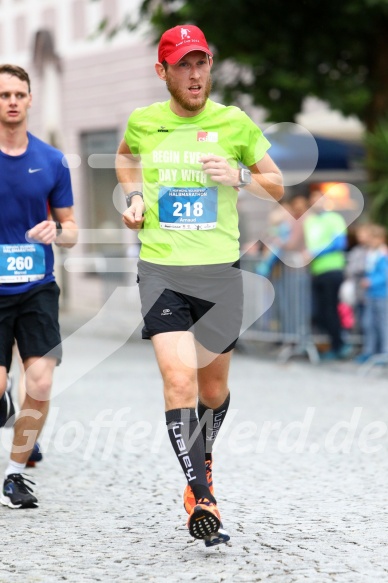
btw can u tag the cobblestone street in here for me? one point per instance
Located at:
(300, 475)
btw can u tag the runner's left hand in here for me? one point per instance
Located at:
(44, 232)
(219, 170)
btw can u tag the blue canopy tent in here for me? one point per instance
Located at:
(308, 161)
(302, 152)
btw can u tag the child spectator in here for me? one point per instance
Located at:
(375, 316)
(351, 292)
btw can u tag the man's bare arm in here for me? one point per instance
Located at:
(130, 177)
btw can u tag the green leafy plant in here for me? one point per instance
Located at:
(377, 164)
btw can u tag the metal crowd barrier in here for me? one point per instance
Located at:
(288, 321)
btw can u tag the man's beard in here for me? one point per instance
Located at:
(190, 104)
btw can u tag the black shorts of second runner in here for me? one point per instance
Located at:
(208, 300)
(31, 319)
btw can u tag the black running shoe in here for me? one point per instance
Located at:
(7, 409)
(217, 538)
(17, 494)
(36, 456)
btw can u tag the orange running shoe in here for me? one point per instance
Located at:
(205, 523)
(188, 497)
(204, 520)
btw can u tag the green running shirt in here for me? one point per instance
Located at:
(189, 219)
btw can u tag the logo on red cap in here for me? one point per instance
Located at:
(180, 40)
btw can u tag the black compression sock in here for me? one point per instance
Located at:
(211, 421)
(186, 439)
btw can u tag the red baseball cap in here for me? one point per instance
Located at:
(180, 40)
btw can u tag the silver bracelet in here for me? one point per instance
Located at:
(128, 197)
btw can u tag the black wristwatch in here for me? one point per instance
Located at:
(58, 227)
(128, 197)
(244, 176)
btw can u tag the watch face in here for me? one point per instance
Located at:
(245, 176)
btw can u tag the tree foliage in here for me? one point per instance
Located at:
(283, 51)
(377, 145)
(279, 52)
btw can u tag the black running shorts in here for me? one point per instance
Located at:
(31, 319)
(207, 300)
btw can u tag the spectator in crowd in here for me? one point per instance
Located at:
(295, 244)
(278, 233)
(354, 293)
(283, 262)
(326, 242)
(374, 282)
(293, 293)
